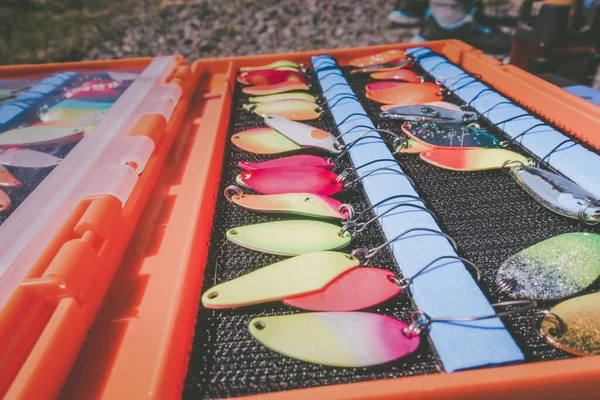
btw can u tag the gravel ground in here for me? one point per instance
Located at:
(200, 29)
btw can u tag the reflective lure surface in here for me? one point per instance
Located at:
(76, 122)
(283, 96)
(304, 135)
(290, 238)
(263, 141)
(5, 202)
(7, 179)
(270, 76)
(288, 278)
(28, 158)
(67, 109)
(429, 113)
(339, 339)
(445, 104)
(261, 90)
(449, 135)
(404, 75)
(304, 160)
(99, 89)
(273, 65)
(409, 93)
(554, 268)
(387, 66)
(356, 289)
(297, 110)
(580, 330)
(306, 204)
(472, 158)
(36, 136)
(379, 58)
(558, 194)
(292, 180)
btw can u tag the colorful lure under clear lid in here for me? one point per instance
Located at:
(283, 96)
(303, 160)
(558, 267)
(7, 179)
(288, 278)
(306, 204)
(292, 180)
(379, 58)
(339, 339)
(409, 93)
(28, 158)
(37, 136)
(297, 110)
(356, 289)
(263, 141)
(67, 109)
(404, 75)
(100, 89)
(472, 158)
(449, 135)
(270, 76)
(579, 332)
(5, 202)
(261, 90)
(290, 238)
(558, 194)
(303, 134)
(273, 65)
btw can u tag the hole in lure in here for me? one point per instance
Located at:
(213, 295)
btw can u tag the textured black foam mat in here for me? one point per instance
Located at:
(487, 213)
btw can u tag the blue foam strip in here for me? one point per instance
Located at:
(11, 109)
(447, 291)
(572, 160)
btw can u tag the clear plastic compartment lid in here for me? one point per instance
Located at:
(106, 162)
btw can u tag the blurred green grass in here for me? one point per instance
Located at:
(36, 31)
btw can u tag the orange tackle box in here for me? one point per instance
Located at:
(107, 304)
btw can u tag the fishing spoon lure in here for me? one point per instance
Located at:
(292, 109)
(290, 238)
(435, 114)
(284, 135)
(572, 326)
(305, 204)
(379, 58)
(408, 93)
(270, 76)
(281, 64)
(353, 339)
(558, 194)
(555, 268)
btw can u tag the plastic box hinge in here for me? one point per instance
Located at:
(73, 270)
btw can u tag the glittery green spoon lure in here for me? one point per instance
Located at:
(558, 267)
(573, 325)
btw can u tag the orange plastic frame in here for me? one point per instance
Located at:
(138, 346)
(46, 320)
